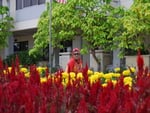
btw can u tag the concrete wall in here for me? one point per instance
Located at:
(105, 59)
(132, 60)
(26, 18)
(29, 13)
(63, 59)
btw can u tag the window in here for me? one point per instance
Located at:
(18, 4)
(0, 2)
(67, 46)
(34, 2)
(20, 46)
(27, 3)
(41, 1)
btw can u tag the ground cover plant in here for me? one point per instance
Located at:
(27, 92)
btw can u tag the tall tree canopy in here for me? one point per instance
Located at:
(136, 26)
(5, 26)
(95, 21)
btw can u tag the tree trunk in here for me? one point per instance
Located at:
(96, 59)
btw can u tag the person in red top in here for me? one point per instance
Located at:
(75, 62)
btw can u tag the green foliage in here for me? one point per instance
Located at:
(136, 26)
(5, 26)
(97, 22)
(101, 26)
(42, 35)
(24, 58)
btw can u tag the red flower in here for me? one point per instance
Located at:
(82, 106)
(140, 64)
(53, 108)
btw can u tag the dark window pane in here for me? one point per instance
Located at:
(41, 1)
(18, 4)
(26, 3)
(0, 2)
(34, 2)
(20, 46)
(67, 46)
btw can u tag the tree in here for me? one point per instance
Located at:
(95, 20)
(100, 26)
(136, 26)
(42, 35)
(5, 26)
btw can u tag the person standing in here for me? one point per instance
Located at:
(75, 62)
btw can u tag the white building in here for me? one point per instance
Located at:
(26, 14)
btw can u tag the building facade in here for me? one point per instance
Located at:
(26, 14)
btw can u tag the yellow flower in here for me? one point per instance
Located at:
(126, 72)
(65, 75)
(4, 71)
(108, 76)
(27, 74)
(43, 79)
(92, 79)
(96, 73)
(41, 69)
(100, 74)
(79, 76)
(64, 83)
(127, 78)
(104, 84)
(132, 69)
(127, 81)
(50, 76)
(9, 69)
(25, 70)
(116, 75)
(107, 80)
(95, 77)
(117, 69)
(114, 82)
(72, 75)
(90, 72)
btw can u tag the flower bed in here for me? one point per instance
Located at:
(88, 92)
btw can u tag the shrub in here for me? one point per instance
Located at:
(24, 58)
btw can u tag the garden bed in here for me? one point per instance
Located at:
(26, 91)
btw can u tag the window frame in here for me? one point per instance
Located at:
(26, 3)
(20, 4)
